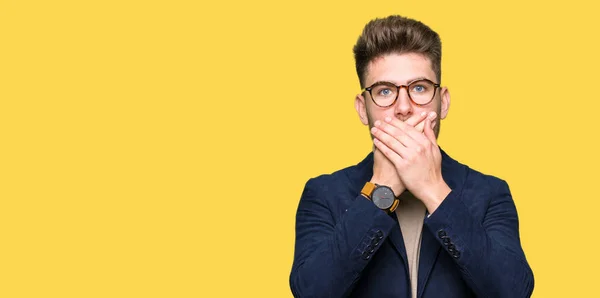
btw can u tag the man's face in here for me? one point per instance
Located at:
(401, 69)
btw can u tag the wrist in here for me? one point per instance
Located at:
(396, 186)
(436, 196)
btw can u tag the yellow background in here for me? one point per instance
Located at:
(159, 148)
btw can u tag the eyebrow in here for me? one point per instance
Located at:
(409, 82)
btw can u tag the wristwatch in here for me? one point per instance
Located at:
(383, 196)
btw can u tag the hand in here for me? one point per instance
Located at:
(415, 156)
(384, 171)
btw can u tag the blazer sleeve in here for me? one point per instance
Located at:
(488, 252)
(331, 251)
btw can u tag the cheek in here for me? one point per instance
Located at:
(374, 114)
(435, 106)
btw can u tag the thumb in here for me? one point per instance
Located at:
(429, 132)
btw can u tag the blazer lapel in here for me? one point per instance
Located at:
(454, 175)
(397, 241)
(430, 249)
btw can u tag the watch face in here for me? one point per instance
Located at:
(383, 197)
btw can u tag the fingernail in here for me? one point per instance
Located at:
(432, 115)
(377, 123)
(388, 119)
(423, 114)
(373, 129)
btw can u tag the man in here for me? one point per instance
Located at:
(407, 221)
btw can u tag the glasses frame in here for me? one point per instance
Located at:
(435, 85)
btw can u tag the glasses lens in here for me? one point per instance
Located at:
(422, 91)
(384, 94)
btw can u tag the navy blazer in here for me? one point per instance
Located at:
(347, 247)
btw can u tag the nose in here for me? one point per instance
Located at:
(403, 106)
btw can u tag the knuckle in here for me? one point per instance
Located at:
(419, 149)
(414, 157)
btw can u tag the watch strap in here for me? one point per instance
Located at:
(394, 206)
(367, 190)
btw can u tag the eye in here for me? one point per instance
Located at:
(385, 92)
(419, 88)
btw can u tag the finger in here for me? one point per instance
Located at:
(389, 141)
(429, 132)
(393, 156)
(389, 129)
(433, 124)
(395, 133)
(409, 130)
(419, 127)
(416, 119)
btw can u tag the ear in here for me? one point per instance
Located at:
(445, 94)
(361, 109)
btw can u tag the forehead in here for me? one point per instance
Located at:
(399, 68)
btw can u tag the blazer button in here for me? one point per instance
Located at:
(451, 246)
(366, 255)
(375, 241)
(379, 234)
(456, 254)
(446, 241)
(442, 234)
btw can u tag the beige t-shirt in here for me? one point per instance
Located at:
(411, 213)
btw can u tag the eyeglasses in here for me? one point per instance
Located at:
(385, 94)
